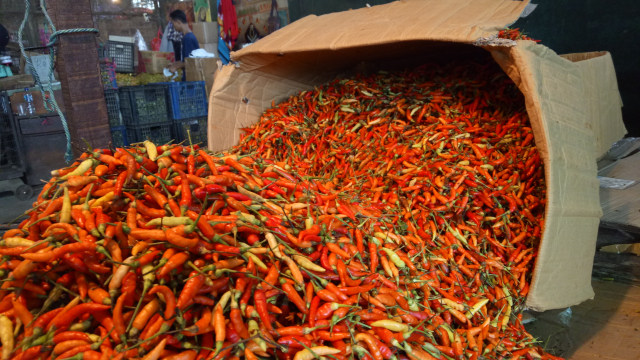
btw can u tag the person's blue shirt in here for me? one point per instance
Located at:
(189, 43)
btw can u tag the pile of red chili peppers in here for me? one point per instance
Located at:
(447, 154)
(514, 34)
(390, 216)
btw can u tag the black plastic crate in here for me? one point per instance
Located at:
(196, 127)
(113, 107)
(159, 133)
(119, 136)
(145, 104)
(122, 54)
(187, 99)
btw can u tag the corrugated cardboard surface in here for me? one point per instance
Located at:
(205, 32)
(316, 49)
(201, 69)
(154, 62)
(451, 20)
(604, 102)
(558, 109)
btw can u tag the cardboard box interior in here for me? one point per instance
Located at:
(560, 106)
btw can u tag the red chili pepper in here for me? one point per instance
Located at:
(62, 322)
(120, 182)
(260, 302)
(189, 290)
(209, 189)
(169, 299)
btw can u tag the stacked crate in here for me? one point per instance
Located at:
(160, 112)
(188, 110)
(144, 111)
(118, 130)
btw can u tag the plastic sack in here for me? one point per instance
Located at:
(139, 40)
(166, 45)
(201, 53)
(157, 41)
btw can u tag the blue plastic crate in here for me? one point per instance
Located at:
(187, 99)
(158, 133)
(145, 104)
(119, 136)
(196, 127)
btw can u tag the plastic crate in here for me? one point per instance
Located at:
(119, 136)
(122, 54)
(113, 107)
(196, 127)
(159, 133)
(187, 99)
(145, 104)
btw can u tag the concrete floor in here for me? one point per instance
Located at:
(607, 327)
(11, 208)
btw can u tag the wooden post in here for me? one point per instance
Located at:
(79, 73)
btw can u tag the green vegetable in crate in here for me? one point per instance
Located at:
(140, 79)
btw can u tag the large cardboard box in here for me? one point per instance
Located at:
(205, 32)
(573, 104)
(201, 69)
(153, 62)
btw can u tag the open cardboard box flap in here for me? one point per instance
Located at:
(572, 101)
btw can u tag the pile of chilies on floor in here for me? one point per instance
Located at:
(385, 216)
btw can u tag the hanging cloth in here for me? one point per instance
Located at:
(227, 29)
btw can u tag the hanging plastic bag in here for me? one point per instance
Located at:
(142, 46)
(166, 45)
(157, 41)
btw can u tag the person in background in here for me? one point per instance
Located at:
(175, 38)
(189, 41)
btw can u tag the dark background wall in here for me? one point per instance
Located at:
(565, 26)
